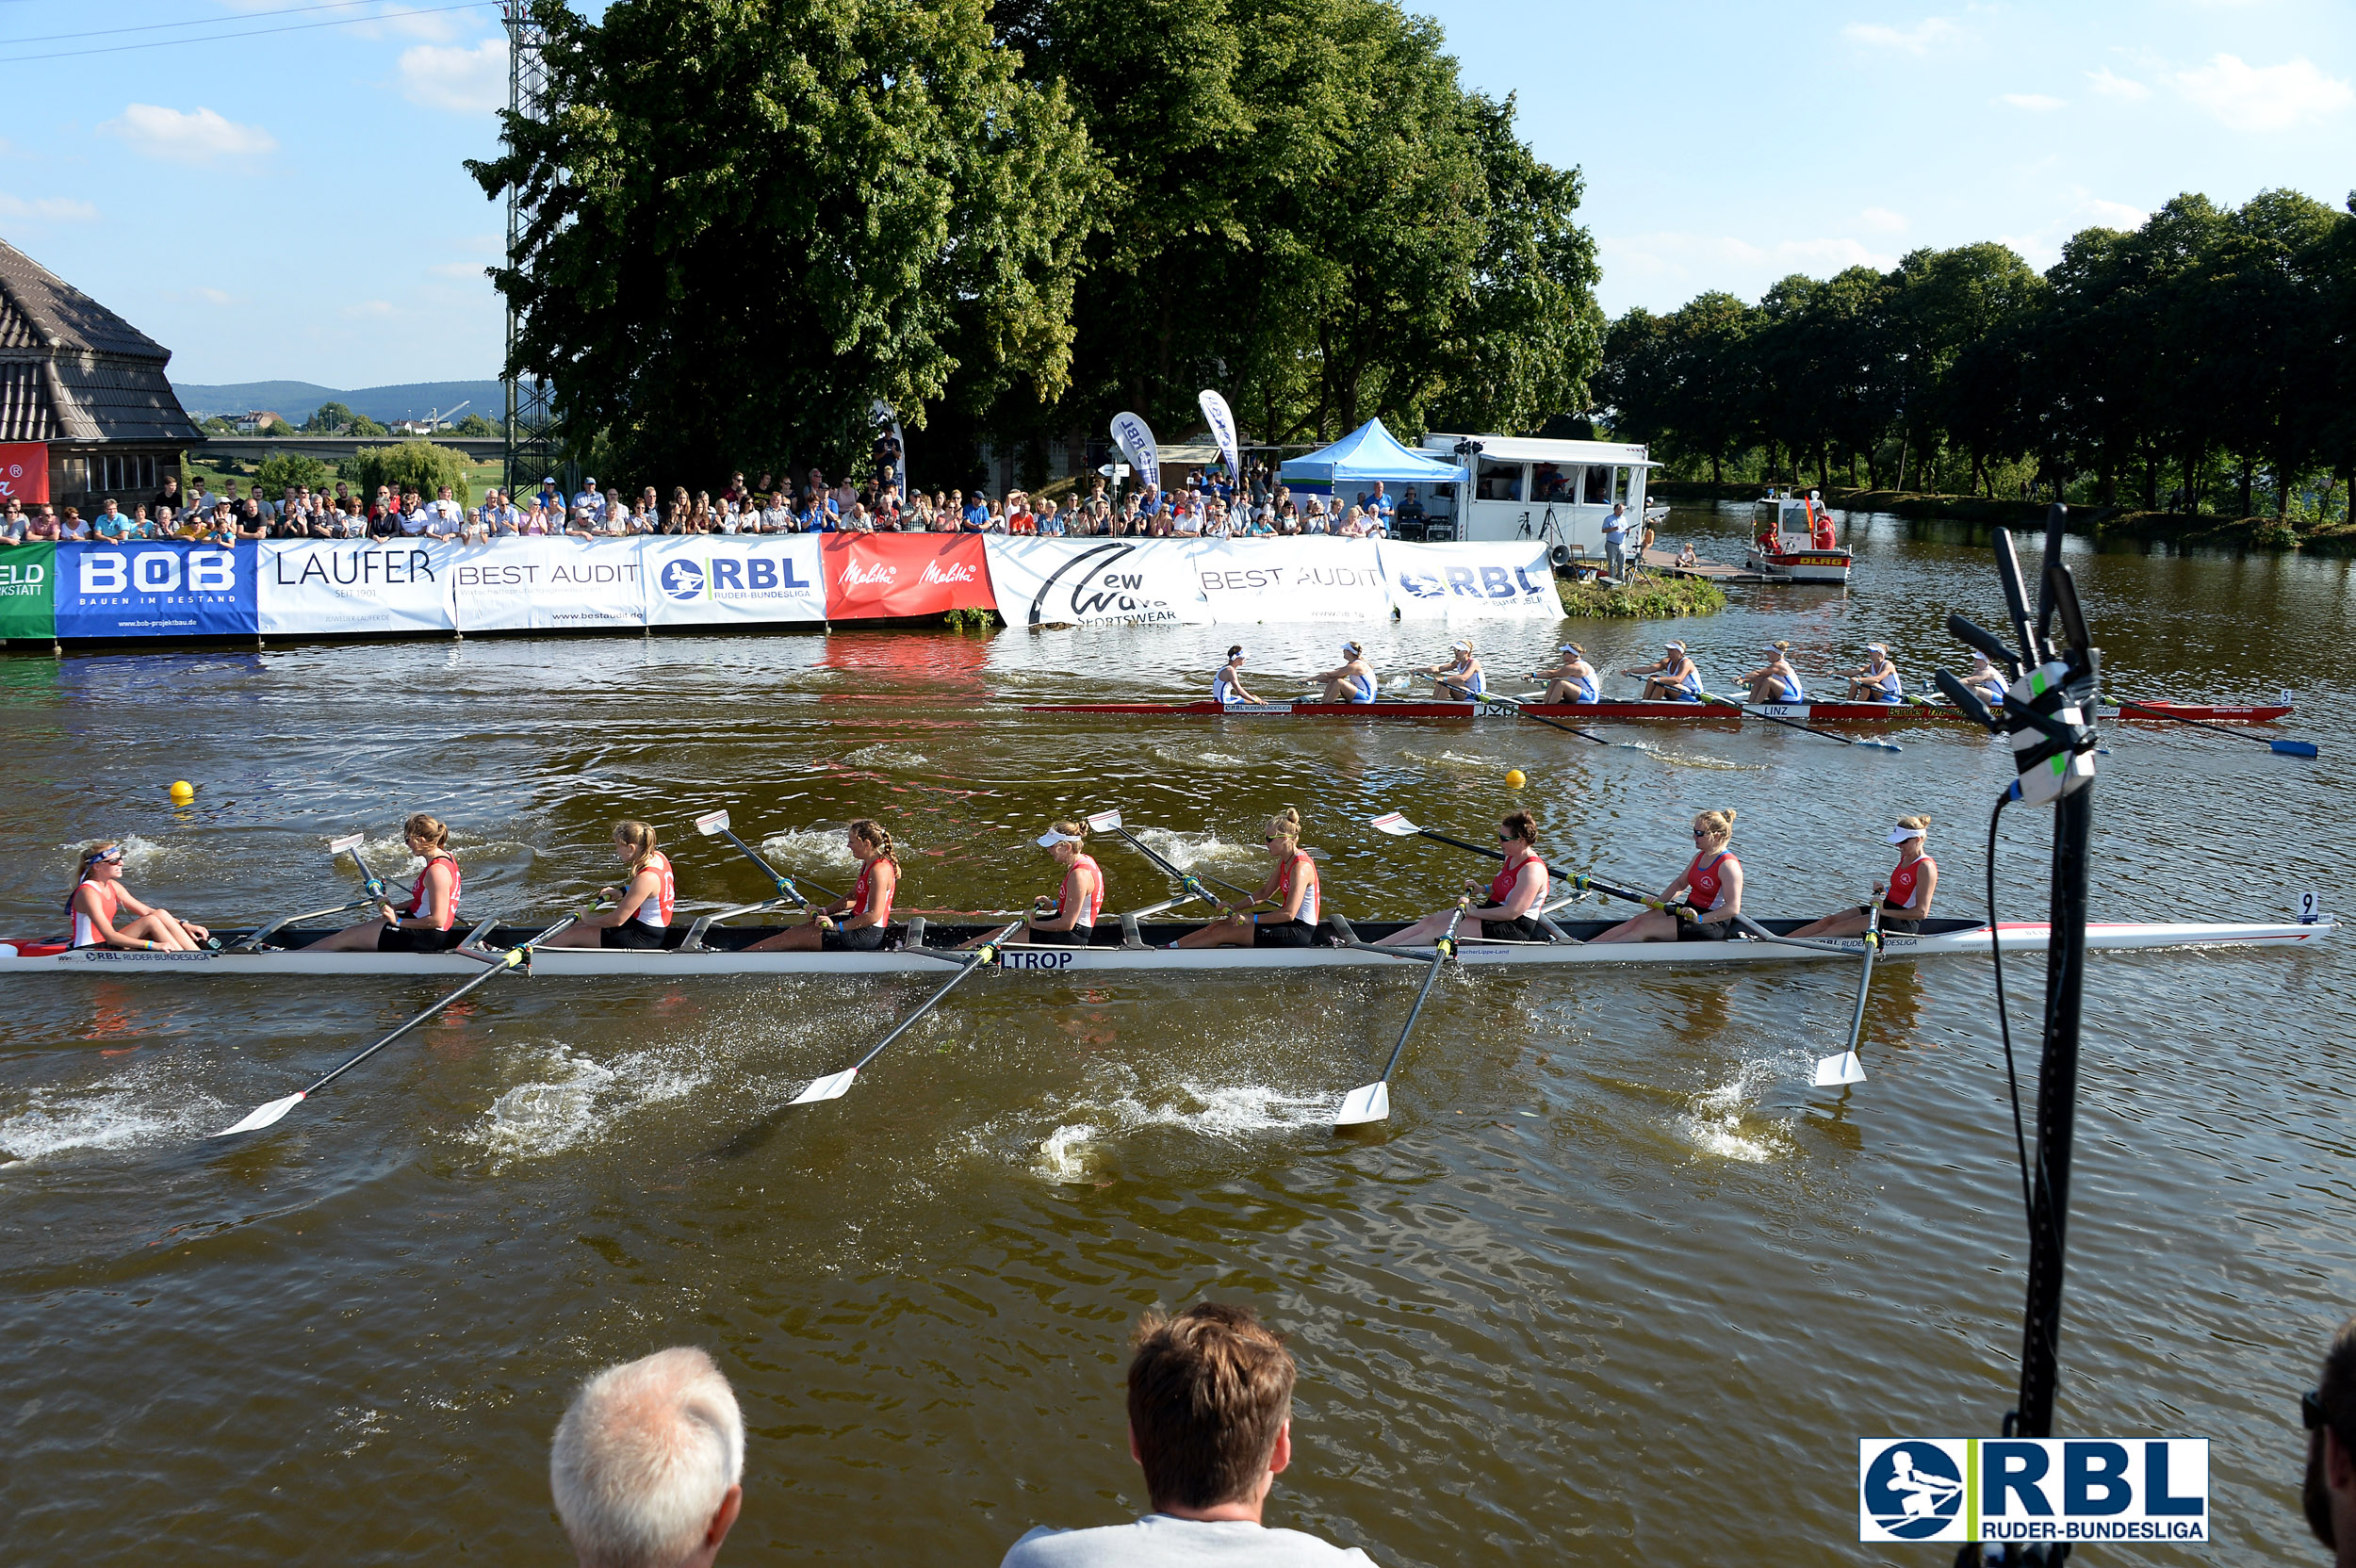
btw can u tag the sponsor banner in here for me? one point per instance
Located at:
(1095, 581)
(343, 587)
(873, 576)
(1446, 581)
(1305, 579)
(1135, 438)
(1223, 422)
(23, 471)
(2030, 1490)
(722, 578)
(154, 590)
(27, 575)
(539, 584)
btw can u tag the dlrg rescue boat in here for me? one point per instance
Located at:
(1798, 542)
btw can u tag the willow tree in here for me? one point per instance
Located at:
(751, 218)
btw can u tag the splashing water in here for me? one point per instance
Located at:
(810, 846)
(573, 1100)
(1718, 1123)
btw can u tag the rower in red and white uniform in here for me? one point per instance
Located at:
(1906, 897)
(1292, 887)
(1516, 894)
(99, 900)
(1067, 919)
(640, 914)
(857, 923)
(1712, 884)
(430, 922)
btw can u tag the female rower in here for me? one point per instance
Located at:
(1674, 679)
(1878, 681)
(1516, 894)
(1353, 681)
(1988, 680)
(1459, 678)
(641, 915)
(1227, 685)
(1573, 679)
(1069, 918)
(1711, 884)
(99, 897)
(1776, 680)
(1292, 887)
(860, 922)
(1906, 897)
(429, 924)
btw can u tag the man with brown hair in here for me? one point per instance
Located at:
(1210, 1422)
(2330, 1413)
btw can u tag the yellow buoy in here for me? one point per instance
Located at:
(1514, 779)
(182, 792)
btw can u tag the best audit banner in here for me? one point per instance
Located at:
(1305, 579)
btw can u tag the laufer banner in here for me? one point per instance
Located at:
(28, 574)
(155, 590)
(1507, 577)
(733, 579)
(23, 471)
(1095, 581)
(875, 576)
(552, 584)
(1305, 579)
(341, 588)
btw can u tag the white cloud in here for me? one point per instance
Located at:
(2036, 103)
(457, 270)
(1882, 221)
(1724, 260)
(53, 209)
(2111, 86)
(454, 77)
(1935, 32)
(197, 135)
(2112, 215)
(2264, 98)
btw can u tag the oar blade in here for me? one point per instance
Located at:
(2295, 749)
(1395, 824)
(1368, 1103)
(264, 1115)
(1881, 745)
(350, 840)
(1833, 1072)
(834, 1086)
(711, 822)
(1104, 822)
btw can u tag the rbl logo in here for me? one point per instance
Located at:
(2075, 1489)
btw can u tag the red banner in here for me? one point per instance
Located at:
(870, 576)
(23, 471)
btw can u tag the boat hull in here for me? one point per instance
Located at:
(1625, 713)
(1811, 565)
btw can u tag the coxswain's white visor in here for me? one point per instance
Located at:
(1049, 839)
(1352, 649)
(1459, 647)
(1568, 647)
(1900, 835)
(1875, 647)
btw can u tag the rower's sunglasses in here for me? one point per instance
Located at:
(111, 857)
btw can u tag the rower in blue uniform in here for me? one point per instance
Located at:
(1227, 685)
(1353, 680)
(1572, 680)
(1776, 680)
(1988, 680)
(1878, 681)
(1459, 680)
(1674, 679)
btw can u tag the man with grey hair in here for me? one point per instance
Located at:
(648, 1464)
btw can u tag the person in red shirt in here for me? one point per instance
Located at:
(1712, 886)
(1906, 897)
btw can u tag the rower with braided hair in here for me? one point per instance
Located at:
(860, 922)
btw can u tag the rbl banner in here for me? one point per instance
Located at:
(23, 471)
(877, 575)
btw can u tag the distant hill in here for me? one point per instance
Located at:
(298, 400)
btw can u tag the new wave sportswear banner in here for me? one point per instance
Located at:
(721, 579)
(1308, 579)
(155, 590)
(341, 588)
(875, 576)
(1095, 581)
(1507, 577)
(27, 574)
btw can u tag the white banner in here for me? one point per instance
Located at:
(334, 588)
(1223, 422)
(724, 578)
(1135, 439)
(1446, 581)
(553, 584)
(1095, 581)
(1305, 579)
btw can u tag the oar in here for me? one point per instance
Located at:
(1109, 822)
(717, 822)
(513, 958)
(834, 1086)
(2281, 748)
(1372, 1102)
(1832, 1071)
(1805, 728)
(372, 891)
(1398, 826)
(1512, 706)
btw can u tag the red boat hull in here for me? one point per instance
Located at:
(1625, 713)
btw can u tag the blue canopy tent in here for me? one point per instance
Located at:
(1366, 454)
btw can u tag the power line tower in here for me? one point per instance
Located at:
(531, 452)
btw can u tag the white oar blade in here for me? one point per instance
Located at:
(1368, 1103)
(263, 1116)
(1833, 1072)
(1104, 822)
(711, 822)
(350, 840)
(1882, 745)
(1395, 824)
(834, 1086)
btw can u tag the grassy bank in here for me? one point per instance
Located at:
(1651, 599)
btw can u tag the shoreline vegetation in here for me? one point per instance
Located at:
(1651, 599)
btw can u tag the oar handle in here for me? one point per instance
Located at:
(983, 955)
(1442, 950)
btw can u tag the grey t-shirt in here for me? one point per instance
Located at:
(1158, 1540)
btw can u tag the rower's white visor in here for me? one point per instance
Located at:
(1352, 649)
(1568, 647)
(1875, 647)
(1049, 839)
(1900, 835)
(1459, 647)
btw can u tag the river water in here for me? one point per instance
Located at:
(1614, 1284)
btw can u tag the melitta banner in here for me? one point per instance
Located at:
(1307, 579)
(1096, 582)
(880, 575)
(154, 590)
(23, 471)
(1447, 582)
(343, 588)
(27, 573)
(723, 580)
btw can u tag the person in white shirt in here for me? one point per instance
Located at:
(591, 498)
(444, 518)
(776, 518)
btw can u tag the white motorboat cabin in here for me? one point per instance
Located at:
(1528, 488)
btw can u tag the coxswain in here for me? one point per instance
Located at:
(1878, 681)
(1776, 680)
(1227, 685)
(1712, 887)
(1069, 918)
(1674, 679)
(1987, 682)
(641, 912)
(1292, 887)
(99, 899)
(860, 922)
(1906, 897)
(1517, 894)
(430, 923)
(1572, 680)
(1459, 678)
(1353, 680)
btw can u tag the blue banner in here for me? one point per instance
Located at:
(155, 590)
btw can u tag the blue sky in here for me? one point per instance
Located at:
(290, 205)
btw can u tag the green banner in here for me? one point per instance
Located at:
(28, 575)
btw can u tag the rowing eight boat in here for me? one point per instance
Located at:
(1682, 712)
(1112, 950)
